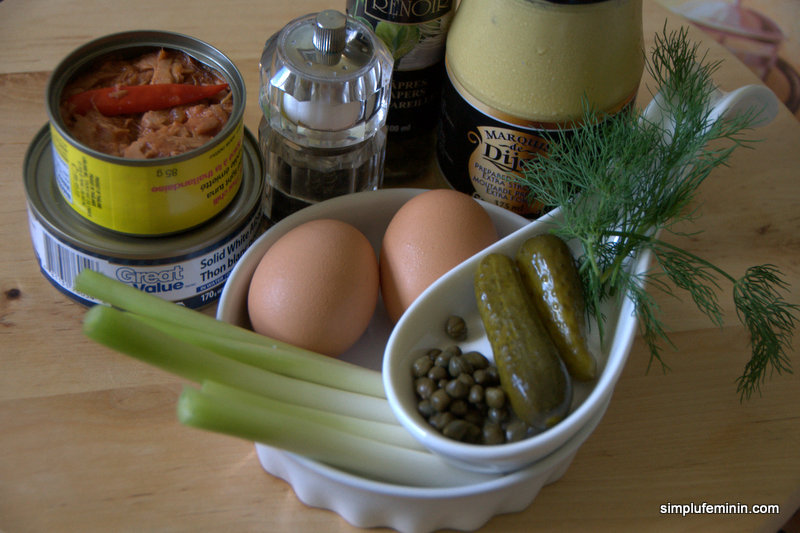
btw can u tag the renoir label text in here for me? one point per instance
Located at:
(407, 11)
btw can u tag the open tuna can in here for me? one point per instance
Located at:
(147, 131)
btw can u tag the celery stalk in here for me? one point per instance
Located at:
(122, 296)
(353, 378)
(340, 449)
(125, 333)
(378, 431)
(269, 392)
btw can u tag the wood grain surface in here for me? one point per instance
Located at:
(89, 440)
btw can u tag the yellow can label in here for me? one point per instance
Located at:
(149, 199)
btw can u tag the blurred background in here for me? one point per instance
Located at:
(764, 34)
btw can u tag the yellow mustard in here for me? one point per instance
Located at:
(518, 69)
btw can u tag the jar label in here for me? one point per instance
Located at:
(485, 157)
(415, 100)
(415, 32)
(405, 12)
(495, 164)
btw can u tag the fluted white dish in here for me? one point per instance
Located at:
(364, 502)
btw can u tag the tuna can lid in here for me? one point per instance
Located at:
(51, 210)
(132, 43)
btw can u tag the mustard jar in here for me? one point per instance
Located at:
(517, 70)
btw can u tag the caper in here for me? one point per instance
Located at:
(516, 430)
(473, 434)
(493, 434)
(456, 429)
(440, 400)
(456, 328)
(425, 408)
(440, 420)
(459, 408)
(466, 379)
(433, 352)
(437, 373)
(424, 387)
(458, 365)
(476, 359)
(421, 366)
(495, 397)
(480, 376)
(457, 389)
(496, 415)
(486, 376)
(443, 359)
(475, 394)
(453, 349)
(475, 416)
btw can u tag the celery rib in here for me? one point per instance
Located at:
(286, 356)
(352, 378)
(123, 332)
(365, 457)
(369, 429)
(264, 391)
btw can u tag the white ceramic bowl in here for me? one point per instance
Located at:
(364, 502)
(418, 330)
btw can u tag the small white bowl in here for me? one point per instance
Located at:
(421, 328)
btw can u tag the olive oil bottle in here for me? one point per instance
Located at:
(415, 32)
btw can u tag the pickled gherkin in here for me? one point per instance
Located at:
(532, 374)
(549, 273)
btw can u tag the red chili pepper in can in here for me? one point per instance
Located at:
(111, 101)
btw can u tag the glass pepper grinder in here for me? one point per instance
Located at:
(325, 90)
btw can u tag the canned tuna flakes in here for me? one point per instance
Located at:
(189, 268)
(153, 172)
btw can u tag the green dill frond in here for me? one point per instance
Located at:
(651, 327)
(770, 321)
(620, 180)
(694, 276)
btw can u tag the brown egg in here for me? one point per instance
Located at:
(429, 235)
(316, 287)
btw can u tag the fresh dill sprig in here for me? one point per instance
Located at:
(622, 180)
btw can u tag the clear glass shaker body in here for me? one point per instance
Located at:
(299, 176)
(325, 89)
